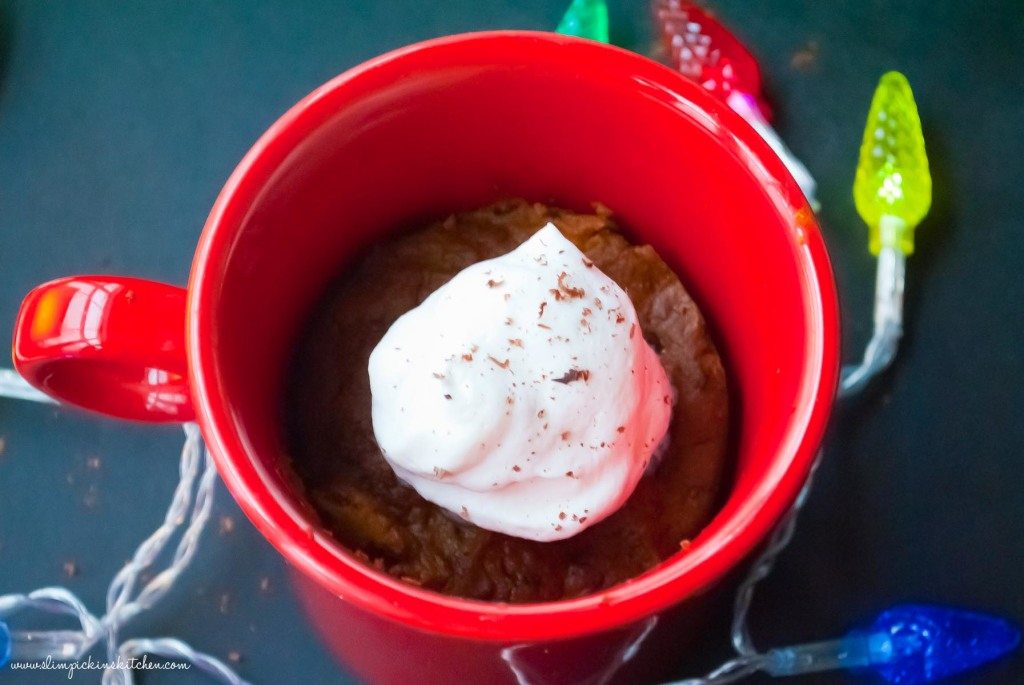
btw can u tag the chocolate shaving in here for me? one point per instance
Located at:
(491, 283)
(544, 325)
(573, 375)
(565, 435)
(632, 330)
(569, 290)
(515, 467)
(467, 357)
(517, 342)
(503, 365)
(621, 429)
(447, 396)
(540, 312)
(587, 262)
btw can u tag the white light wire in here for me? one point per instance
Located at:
(190, 508)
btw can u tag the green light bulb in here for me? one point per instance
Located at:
(586, 19)
(893, 188)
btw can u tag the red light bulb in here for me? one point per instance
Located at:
(705, 51)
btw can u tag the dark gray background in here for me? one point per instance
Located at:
(120, 121)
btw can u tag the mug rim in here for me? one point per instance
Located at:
(337, 570)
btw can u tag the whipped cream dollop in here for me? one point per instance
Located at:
(521, 395)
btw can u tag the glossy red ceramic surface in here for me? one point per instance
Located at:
(452, 124)
(111, 344)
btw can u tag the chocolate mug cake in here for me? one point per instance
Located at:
(360, 500)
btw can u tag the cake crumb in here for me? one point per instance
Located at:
(806, 58)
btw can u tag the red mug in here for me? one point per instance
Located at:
(446, 125)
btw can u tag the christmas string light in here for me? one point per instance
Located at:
(907, 644)
(703, 50)
(189, 509)
(586, 19)
(893, 192)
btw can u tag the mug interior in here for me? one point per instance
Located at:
(460, 122)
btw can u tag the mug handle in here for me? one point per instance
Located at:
(110, 344)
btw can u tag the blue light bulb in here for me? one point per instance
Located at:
(5, 644)
(927, 643)
(907, 645)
